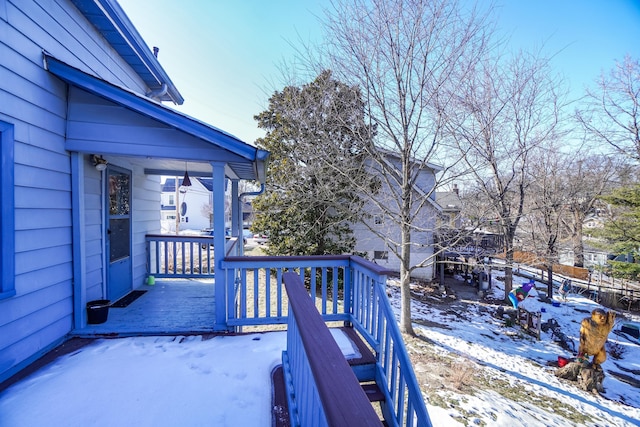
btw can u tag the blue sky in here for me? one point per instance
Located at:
(224, 55)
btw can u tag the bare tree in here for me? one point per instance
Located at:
(546, 209)
(402, 54)
(611, 112)
(588, 177)
(507, 110)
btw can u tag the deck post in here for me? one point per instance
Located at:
(218, 185)
(236, 216)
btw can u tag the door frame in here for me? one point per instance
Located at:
(107, 230)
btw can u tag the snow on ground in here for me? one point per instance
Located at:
(154, 381)
(505, 355)
(225, 381)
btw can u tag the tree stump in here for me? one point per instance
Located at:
(589, 378)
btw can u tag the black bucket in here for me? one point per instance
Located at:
(97, 311)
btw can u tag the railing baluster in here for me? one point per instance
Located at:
(267, 296)
(313, 289)
(180, 256)
(157, 258)
(323, 290)
(189, 247)
(243, 295)
(279, 286)
(256, 293)
(363, 303)
(335, 290)
(166, 258)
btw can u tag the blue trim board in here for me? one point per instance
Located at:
(18, 368)
(154, 110)
(79, 245)
(7, 219)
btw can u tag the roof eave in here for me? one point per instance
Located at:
(256, 157)
(132, 47)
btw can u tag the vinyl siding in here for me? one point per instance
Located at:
(422, 242)
(35, 103)
(94, 232)
(146, 220)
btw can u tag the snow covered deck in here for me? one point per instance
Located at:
(171, 306)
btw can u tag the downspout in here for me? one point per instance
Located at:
(240, 213)
(252, 193)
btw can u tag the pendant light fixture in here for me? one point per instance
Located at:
(186, 182)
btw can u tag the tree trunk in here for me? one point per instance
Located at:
(508, 273)
(578, 246)
(588, 377)
(405, 262)
(405, 282)
(550, 281)
(405, 315)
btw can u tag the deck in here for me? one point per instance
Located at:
(171, 306)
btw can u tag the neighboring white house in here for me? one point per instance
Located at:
(194, 204)
(377, 245)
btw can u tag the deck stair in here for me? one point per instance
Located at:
(322, 387)
(363, 367)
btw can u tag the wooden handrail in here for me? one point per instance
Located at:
(343, 400)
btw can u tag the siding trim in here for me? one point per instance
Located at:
(7, 220)
(153, 110)
(79, 244)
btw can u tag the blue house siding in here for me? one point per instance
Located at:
(60, 29)
(94, 232)
(146, 219)
(34, 104)
(86, 97)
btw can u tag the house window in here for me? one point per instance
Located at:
(383, 255)
(7, 219)
(171, 201)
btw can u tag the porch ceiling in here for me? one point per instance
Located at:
(107, 119)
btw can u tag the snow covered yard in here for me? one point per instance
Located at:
(476, 370)
(473, 368)
(154, 381)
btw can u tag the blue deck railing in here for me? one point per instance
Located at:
(344, 288)
(322, 389)
(182, 256)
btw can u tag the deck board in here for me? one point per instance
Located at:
(170, 306)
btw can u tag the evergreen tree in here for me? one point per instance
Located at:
(622, 230)
(314, 134)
